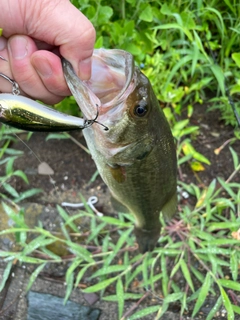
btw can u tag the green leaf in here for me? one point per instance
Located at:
(80, 251)
(222, 225)
(165, 279)
(107, 270)
(227, 188)
(197, 274)
(228, 3)
(116, 222)
(210, 189)
(214, 250)
(215, 308)
(120, 294)
(200, 46)
(27, 194)
(236, 58)
(69, 282)
(10, 190)
(6, 274)
(173, 297)
(218, 73)
(124, 236)
(144, 312)
(146, 14)
(66, 218)
(30, 259)
(13, 152)
(175, 26)
(81, 274)
(21, 174)
(17, 218)
(95, 232)
(145, 265)
(99, 43)
(189, 149)
(51, 255)
(175, 269)
(202, 294)
(224, 203)
(4, 149)
(104, 14)
(235, 158)
(36, 243)
(186, 273)
(100, 286)
(230, 284)
(234, 264)
(9, 166)
(34, 275)
(227, 303)
(236, 309)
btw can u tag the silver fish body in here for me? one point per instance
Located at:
(136, 156)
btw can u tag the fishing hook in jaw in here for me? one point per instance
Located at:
(15, 86)
(89, 123)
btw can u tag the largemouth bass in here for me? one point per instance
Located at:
(133, 149)
(136, 155)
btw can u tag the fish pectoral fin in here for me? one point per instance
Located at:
(143, 151)
(118, 173)
(170, 207)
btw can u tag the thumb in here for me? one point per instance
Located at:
(59, 23)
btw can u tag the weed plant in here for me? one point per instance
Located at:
(198, 254)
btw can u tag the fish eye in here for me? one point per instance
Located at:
(141, 109)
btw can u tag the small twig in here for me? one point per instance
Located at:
(235, 299)
(233, 174)
(218, 150)
(135, 306)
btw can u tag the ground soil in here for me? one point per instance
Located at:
(73, 167)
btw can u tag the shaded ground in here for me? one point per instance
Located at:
(73, 170)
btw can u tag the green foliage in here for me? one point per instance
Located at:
(7, 158)
(206, 255)
(184, 47)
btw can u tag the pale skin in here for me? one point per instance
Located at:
(35, 34)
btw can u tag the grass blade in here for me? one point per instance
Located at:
(202, 294)
(6, 274)
(120, 295)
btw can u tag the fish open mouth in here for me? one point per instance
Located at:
(112, 72)
(110, 83)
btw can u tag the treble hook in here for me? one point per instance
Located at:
(15, 86)
(92, 121)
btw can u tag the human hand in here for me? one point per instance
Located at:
(34, 34)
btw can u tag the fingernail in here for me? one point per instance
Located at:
(84, 69)
(18, 47)
(3, 43)
(43, 67)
